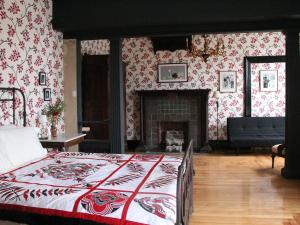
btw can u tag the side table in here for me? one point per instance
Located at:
(63, 141)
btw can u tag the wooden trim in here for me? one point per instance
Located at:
(184, 92)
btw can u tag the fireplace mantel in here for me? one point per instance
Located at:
(191, 92)
(201, 96)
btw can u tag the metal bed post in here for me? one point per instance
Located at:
(13, 90)
(185, 187)
(14, 101)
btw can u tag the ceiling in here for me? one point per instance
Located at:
(95, 18)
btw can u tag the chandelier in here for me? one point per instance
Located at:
(206, 51)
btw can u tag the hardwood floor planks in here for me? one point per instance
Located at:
(297, 218)
(242, 190)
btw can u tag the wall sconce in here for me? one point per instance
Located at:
(206, 51)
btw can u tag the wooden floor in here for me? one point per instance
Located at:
(242, 190)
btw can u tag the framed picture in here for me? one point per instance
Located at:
(227, 81)
(42, 78)
(268, 80)
(47, 94)
(172, 72)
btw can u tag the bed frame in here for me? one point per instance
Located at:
(184, 187)
(13, 100)
(184, 201)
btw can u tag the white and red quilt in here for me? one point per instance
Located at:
(106, 188)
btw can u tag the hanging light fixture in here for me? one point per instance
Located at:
(206, 51)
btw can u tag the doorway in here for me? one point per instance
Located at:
(95, 107)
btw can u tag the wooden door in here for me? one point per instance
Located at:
(95, 103)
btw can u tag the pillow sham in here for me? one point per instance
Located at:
(21, 145)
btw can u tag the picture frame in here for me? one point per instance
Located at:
(227, 81)
(172, 72)
(249, 75)
(268, 80)
(47, 94)
(42, 78)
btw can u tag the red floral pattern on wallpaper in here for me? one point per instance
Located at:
(267, 103)
(141, 73)
(29, 45)
(95, 47)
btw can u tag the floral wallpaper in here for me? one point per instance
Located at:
(141, 73)
(267, 103)
(29, 45)
(95, 47)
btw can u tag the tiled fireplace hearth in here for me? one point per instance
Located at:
(181, 110)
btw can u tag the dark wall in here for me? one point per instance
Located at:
(90, 18)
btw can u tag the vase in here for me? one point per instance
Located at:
(53, 131)
(53, 126)
(44, 131)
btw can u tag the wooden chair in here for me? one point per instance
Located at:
(278, 150)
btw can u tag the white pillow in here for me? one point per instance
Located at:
(5, 127)
(5, 164)
(21, 145)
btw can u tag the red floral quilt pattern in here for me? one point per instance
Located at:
(106, 188)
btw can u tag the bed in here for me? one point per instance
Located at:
(88, 188)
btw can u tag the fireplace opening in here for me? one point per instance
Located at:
(173, 135)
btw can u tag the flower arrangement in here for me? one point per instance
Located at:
(54, 112)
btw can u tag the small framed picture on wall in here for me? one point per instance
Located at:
(172, 72)
(42, 78)
(227, 81)
(47, 94)
(268, 80)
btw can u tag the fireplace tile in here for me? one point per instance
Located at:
(172, 107)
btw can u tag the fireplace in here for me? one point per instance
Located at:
(173, 110)
(172, 126)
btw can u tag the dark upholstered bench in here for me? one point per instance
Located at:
(255, 131)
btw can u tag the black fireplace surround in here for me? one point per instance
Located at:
(160, 107)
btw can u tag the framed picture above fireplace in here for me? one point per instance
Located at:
(172, 72)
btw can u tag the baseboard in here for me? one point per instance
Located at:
(219, 144)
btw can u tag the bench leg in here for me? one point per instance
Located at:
(273, 159)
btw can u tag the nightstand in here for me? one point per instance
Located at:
(62, 141)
